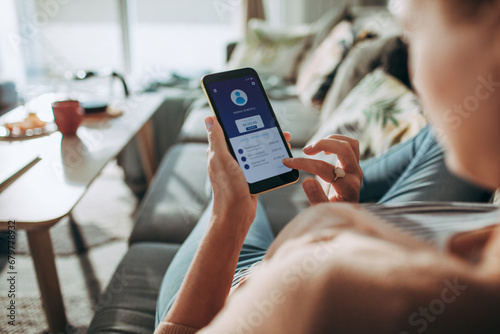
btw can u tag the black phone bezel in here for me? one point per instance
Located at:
(270, 183)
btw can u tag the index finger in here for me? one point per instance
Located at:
(353, 142)
(342, 149)
(317, 167)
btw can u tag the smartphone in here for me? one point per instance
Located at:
(252, 132)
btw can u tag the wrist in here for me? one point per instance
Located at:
(232, 217)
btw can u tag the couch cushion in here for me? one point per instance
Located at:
(327, 22)
(272, 50)
(292, 116)
(380, 112)
(128, 304)
(377, 19)
(361, 60)
(176, 198)
(314, 70)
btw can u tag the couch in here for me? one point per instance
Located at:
(8, 96)
(177, 197)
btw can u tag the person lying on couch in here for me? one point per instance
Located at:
(372, 277)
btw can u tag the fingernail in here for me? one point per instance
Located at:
(286, 161)
(307, 148)
(209, 122)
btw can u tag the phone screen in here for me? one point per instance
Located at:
(250, 127)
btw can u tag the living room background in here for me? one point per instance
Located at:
(49, 37)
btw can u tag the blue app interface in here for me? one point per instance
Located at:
(248, 122)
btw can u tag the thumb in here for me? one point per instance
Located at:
(215, 135)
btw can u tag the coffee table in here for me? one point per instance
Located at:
(51, 188)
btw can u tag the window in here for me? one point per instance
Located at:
(11, 65)
(135, 36)
(77, 34)
(186, 36)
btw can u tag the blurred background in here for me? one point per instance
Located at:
(41, 40)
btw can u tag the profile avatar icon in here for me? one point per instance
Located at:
(239, 97)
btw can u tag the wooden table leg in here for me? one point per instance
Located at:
(42, 252)
(145, 141)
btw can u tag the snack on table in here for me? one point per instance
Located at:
(30, 122)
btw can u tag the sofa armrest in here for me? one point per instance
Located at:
(176, 199)
(8, 96)
(128, 304)
(167, 122)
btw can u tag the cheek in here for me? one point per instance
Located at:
(431, 77)
(436, 75)
(446, 75)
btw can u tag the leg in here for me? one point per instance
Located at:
(381, 173)
(258, 239)
(426, 178)
(43, 257)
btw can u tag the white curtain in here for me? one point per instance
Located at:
(11, 44)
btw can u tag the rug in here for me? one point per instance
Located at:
(104, 220)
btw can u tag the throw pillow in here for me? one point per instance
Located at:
(327, 22)
(323, 61)
(320, 94)
(380, 112)
(361, 60)
(270, 50)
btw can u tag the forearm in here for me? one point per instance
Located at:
(207, 283)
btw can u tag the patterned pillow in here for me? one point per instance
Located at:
(361, 60)
(380, 112)
(272, 51)
(315, 69)
(328, 21)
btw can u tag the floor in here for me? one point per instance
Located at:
(104, 219)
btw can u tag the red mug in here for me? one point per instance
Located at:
(68, 116)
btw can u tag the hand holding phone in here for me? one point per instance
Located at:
(250, 127)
